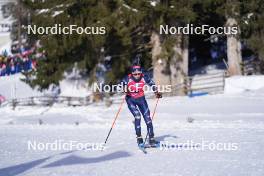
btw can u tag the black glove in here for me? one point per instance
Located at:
(158, 94)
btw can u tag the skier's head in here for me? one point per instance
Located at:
(136, 64)
(136, 68)
(136, 71)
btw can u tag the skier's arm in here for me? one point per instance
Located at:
(152, 84)
(123, 84)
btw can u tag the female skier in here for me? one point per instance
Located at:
(137, 103)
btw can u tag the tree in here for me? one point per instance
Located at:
(133, 29)
(253, 28)
(231, 11)
(247, 16)
(171, 64)
(62, 51)
(234, 53)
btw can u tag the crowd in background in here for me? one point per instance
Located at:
(24, 60)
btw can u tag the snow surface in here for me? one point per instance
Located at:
(57, 13)
(74, 88)
(228, 118)
(130, 8)
(153, 3)
(5, 42)
(12, 87)
(239, 84)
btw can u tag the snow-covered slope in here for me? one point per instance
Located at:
(240, 84)
(224, 120)
(12, 87)
(74, 88)
(5, 42)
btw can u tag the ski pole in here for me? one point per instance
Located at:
(115, 119)
(151, 120)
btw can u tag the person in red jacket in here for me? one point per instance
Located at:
(137, 103)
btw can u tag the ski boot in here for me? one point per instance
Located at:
(153, 142)
(141, 144)
(140, 141)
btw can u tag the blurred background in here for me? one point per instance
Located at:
(132, 32)
(46, 87)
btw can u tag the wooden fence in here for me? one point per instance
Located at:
(50, 100)
(194, 85)
(210, 83)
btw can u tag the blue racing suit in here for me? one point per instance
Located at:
(137, 103)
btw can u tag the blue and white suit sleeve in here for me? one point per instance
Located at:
(123, 83)
(150, 82)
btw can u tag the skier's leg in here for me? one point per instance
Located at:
(143, 107)
(146, 114)
(134, 110)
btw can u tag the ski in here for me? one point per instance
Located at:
(142, 148)
(157, 145)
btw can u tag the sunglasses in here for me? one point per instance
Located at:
(136, 74)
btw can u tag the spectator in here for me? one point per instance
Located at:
(25, 60)
(12, 67)
(2, 99)
(3, 69)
